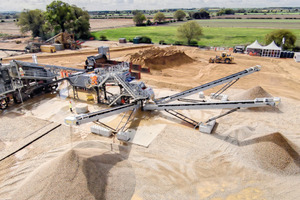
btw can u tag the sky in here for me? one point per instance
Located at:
(95, 5)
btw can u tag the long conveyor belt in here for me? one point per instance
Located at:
(90, 117)
(258, 102)
(28, 64)
(208, 85)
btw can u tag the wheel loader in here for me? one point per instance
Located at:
(224, 58)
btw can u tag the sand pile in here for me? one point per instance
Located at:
(256, 92)
(81, 173)
(2, 145)
(272, 153)
(237, 134)
(158, 58)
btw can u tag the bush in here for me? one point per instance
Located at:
(141, 24)
(162, 42)
(193, 43)
(202, 46)
(178, 43)
(296, 49)
(130, 39)
(2, 20)
(103, 38)
(18, 42)
(149, 23)
(145, 39)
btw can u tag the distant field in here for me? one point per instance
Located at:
(251, 23)
(216, 32)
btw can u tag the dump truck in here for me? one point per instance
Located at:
(224, 58)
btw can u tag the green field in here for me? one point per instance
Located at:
(215, 32)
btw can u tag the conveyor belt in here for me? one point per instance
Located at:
(208, 85)
(28, 64)
(90, 117)
(216, 105)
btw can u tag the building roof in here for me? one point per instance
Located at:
(255, 45)
(272, 46)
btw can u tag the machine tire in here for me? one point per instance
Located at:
(227, 61)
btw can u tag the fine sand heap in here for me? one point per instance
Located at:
(159, 58)
(273, 153)
(81, 173)
(255, 92)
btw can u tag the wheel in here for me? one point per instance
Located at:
(3, 103)
(227, 61)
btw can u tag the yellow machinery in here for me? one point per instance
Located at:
(48, 48)
(224, 58)
(66, 39)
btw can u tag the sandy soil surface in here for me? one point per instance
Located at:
(100, 24)
(252, 153)
(10, 27)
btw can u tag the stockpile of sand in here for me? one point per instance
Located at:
(255, 92)
(272, 153)
(2, 145)
(81, 173)
(158, 58)
(237, 134)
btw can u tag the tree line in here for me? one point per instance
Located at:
(58, 17)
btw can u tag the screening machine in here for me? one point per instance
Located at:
(141, 98)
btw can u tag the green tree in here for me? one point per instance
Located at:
(226, 11)
(278, 35)
(63, 17)
(202, 14)
(59, 15)
(179, 15)
(189, 30)
(139, 18)
(32, 20)
(160, 17)
(81, 25)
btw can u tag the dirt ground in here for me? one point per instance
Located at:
(252, 153)
(99, 24)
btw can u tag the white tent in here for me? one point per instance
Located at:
(254, 49)
(297, 56)
(272, 50)
(255, 45)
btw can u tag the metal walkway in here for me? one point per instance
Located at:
(133, 91)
